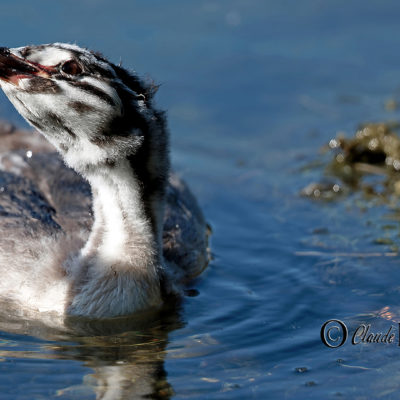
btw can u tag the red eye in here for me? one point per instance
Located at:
(71, 67)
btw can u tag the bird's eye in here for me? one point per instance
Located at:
(71, 67)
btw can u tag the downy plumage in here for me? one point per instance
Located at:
(148, 233)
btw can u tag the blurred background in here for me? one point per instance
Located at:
(253, 90)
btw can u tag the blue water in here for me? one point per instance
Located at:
(253, 89)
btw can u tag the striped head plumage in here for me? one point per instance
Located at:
(93, 111)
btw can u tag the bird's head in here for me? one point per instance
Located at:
(91, 110)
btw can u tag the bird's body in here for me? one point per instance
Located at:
(148, 234)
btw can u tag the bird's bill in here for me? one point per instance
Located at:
(14, 68)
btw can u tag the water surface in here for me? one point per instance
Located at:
(253, 89)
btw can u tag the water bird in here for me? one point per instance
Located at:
(146, 234)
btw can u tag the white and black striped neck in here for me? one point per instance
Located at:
(101, 119)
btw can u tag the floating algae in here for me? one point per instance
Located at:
(362, 171)
(369, 162)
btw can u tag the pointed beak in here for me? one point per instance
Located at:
(14, 68)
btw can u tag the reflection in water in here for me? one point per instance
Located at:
(126, 354)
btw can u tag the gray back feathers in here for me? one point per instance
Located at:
(101, 119)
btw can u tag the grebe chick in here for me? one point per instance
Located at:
(148, 234)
